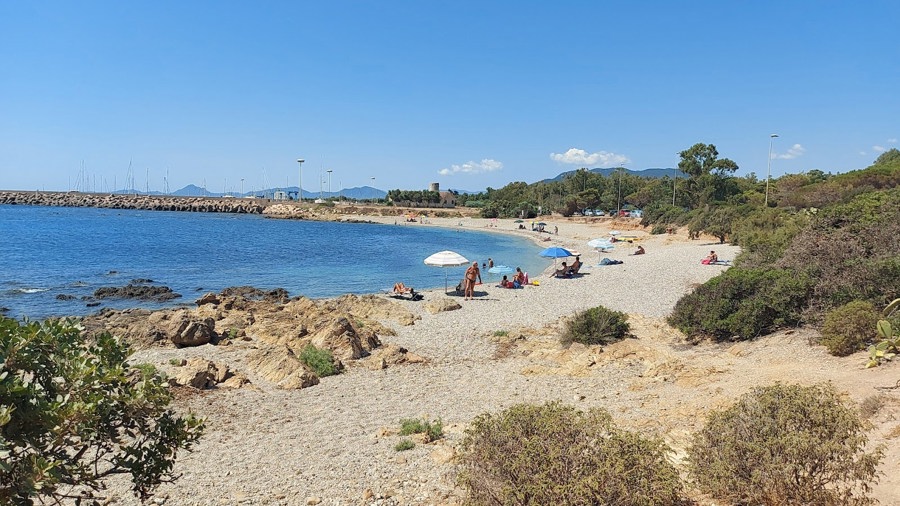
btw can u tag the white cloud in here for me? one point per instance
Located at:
(486, 165)
(796, 151)
(878, 149)
(575, 156)
(892, 141)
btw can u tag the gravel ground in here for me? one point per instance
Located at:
(333, 444)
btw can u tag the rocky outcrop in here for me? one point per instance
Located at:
(135, 291)
(273, 329)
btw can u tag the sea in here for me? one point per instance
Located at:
(52, 259)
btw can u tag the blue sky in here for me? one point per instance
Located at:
(467, 94)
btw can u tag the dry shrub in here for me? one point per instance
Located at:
(554, 454)
(785, 445)
(597, 325)
(849, 328)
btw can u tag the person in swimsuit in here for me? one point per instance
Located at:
(472, 273)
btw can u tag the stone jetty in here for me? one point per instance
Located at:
(141, 202)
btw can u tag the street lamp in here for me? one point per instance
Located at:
(769, 168)
(242, 187)
(329, 182)
(300, 179)
(375, 195)
(674, 180)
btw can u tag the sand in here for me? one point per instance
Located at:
(333, 444)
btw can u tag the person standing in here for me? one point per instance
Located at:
(490, 263)
(472, 273)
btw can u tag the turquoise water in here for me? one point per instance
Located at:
(47, 252)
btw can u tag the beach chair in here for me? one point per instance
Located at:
(404, 292)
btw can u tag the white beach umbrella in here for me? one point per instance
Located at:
(601, 244)
(446, 259)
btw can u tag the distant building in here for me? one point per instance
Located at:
(280, 195)
(448, 199)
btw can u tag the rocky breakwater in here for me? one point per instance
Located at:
(245, 336)
(140, 202)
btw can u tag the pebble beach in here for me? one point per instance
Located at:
(334, 444)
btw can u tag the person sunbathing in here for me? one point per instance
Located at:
(519, 277)
(640, 250)
(402, 289)
(576, 266)
(710, 259)
(561, 272)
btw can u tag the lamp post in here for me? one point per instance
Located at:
(674, 180)
(373, 190)
(329, 182)
(769, 168)
(300, 179)
(242, 187)
(619, 198)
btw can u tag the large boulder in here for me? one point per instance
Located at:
(200, 373)
(438, 305)
(184, 328)
(339, 336)
(279, 365)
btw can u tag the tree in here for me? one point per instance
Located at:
(73, 412)
(890, 156)
(708, 174)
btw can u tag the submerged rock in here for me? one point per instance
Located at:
(139, 292)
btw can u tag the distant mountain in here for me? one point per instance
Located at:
(193, 191)
(655, 173)
(359, 193)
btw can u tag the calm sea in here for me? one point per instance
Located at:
(47, 252)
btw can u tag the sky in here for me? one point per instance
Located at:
(467, 94)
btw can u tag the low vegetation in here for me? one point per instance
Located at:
(597, 325)
(320, 360)
(888, 345)
(554, 454)
(785, 445)
(849, 328)
(73, 412)
(433, 430)
(403, 445)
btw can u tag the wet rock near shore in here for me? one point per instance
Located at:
(138, 292)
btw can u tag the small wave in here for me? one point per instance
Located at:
(29, 290)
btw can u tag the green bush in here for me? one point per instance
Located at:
(741, 304)
(554, 454)
(73, 412)
(785, 445)
(433, 430)
(849, 328)
(403, 445)
(597, 325)
(321, 361)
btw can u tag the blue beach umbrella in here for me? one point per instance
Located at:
(555, 252)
